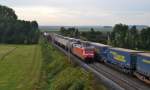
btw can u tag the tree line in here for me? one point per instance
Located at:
(92, 35)
(132, 38)
(14, 31)
(70, 32)
(121, 36)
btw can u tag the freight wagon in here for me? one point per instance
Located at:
(62, 41)
(101, 51)
(143, 67)
(123, 59)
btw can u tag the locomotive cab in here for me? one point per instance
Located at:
(88, 53)
(83, 51)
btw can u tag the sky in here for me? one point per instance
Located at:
(82, 12)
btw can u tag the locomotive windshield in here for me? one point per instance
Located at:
(89, 50)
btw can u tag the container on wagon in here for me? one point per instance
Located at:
(101, 51)
(143, 67)
(123, 59)
(62, 40)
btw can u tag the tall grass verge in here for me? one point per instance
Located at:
(58, 74)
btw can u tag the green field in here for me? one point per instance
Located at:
(20, 66)
(41, 67)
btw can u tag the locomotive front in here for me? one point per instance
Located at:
(88, 53)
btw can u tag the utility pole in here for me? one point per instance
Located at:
(108, 38)
(69, 53)
(52, 37)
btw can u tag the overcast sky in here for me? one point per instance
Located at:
(82, 12)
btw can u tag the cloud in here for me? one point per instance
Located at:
(52, 15)
(85, 4)
(82, 12)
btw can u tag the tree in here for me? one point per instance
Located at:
(92, 30)
(71, 32)
(119, 35)
(62, 31)
(16, 31)
(7, 13)
(76, 33)
(145, 39)
(133, 38)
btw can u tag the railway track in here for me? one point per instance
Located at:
(113, 79)
(127, 82)
(109, 75)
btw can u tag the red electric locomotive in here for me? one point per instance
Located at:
(84, 52)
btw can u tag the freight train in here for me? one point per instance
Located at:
(132, 62)
(82, 50)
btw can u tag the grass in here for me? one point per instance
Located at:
(20, 66)
(59, 74)
(5, 49)
(41, 67)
